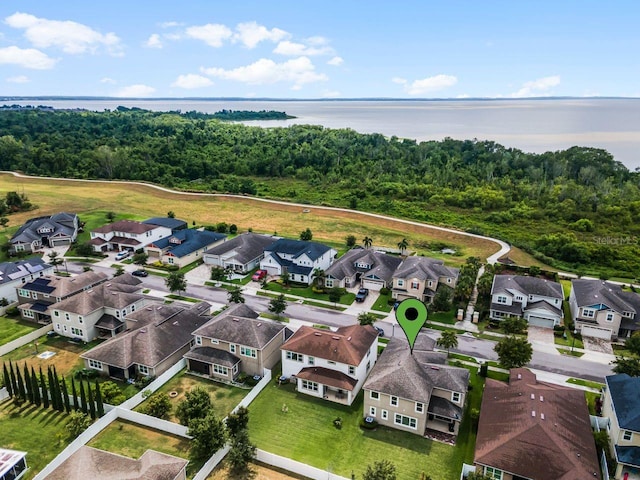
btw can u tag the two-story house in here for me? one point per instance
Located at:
(126, 235)
(330, 365)
(621, 405)
(418, 391)
(100, 310)
(419, 277)
(37, 296)
(15, 274)
(57, 230)
(298, 258)
(537, 300)
(183, 246)
(240, 254)
(601, 309)
(236, 341)
(374, 270)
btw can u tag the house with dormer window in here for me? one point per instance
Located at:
(183, 247)
(537, 300)
(419, 277)
(330, 364)
(603, 310)
(42, 232)
(372, 269)
(298, 258)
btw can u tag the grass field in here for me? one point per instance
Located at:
(13, 328)
(92, 200)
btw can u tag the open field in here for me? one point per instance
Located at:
(52, 196)
(13, 328)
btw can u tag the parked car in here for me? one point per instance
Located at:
(396, 305)
(140, 273)
(362, 294)
(380, 331)
(259, 275)
(122, 255)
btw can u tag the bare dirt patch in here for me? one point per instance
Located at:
(262, 472)
(66, 358)
(600, 345)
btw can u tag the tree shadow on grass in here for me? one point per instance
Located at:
(400, 439)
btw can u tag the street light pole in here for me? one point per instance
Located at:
(573, 342)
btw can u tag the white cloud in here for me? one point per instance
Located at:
(191, 80)
(250, 34)
(26, 57)
(172, 36)
(18, 79)
(538, 88)
(213, 34)
(336, 61)
(298, 71)
(426, 85)
(71, 37)
(294, 49)
(137, 90)
(108, 80)
(170, 24)
(153, 41)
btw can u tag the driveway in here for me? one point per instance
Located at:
(600, 345)
(199, 275)
(540, 335)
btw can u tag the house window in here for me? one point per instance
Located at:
(588, 313)
(385, 414)
(76, 331)
(430, 284)
(34, 295)
(493, 473)
(296, 357)
(220, 370)
(28, 314)
(312, 360)
(415, 285)
(372, 411)
(80, 320)
(393, 401)
(171, 260)
(419, 407)
(401, 283)
(133, 308)
(64, 327)
(96, 365)
(235, 369)
(307, 385)
(214, 341)
(448, 280)
(610, 317)
(198, 340)
(352, 370)
(248, 352)
(232, 348)
(67, 317)
(368, 365)
(331, 362)
(143, 370)
(58, 326)
(627, 435)
(328, 283)
(501, 299)
(405, 421)
(455, 397)
(374, 395)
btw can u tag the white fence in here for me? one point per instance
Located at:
(212, 463)
(246, 401)
(153, 422)
(296, 467)
(466, 470)
(23, 340)
(155, 385)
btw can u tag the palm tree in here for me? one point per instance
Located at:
(319, 276)
(402, 245)
(448, 340)
(367, 241)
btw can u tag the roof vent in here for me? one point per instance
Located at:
(336, 337)
(519, 376)
(143, 330)
(150, 309)
(433, 367)
(533, 413)
(578, 454)
(107, 284)
(90, 291)
(533, 396)
(317, 334)
(235, 319)
(348, 339)
(542, 416)
(175, 323)
(541, 398)
(259, 323)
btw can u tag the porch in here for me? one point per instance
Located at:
(328, 384)
(213, 363)
(109, 326)
(443, 416)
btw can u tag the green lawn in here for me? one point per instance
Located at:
(12, 328)
(39, 432)
(307, 292)
(585, 383)
(306, 433)
(568, 342)
(444, 317)
(382, 303)
(566, 287)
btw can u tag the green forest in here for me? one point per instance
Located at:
(576, 209)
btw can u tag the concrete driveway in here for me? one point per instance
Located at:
(540, 335)
(600, 345)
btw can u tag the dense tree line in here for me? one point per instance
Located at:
(573, 208)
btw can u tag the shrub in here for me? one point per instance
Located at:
(338, 423)
(385, 291)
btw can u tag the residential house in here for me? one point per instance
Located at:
(330, 364)
(15, 274)
(298, 258)
(601, 309)
(41, 232)
(236, 341)
(374, 270)
(173, 224)
(100, 310)
(537, 300)
(37, 296)
(418, 391)
(126, 235)
(157, 337)
(534, 430)
(13, 464)
(419, 277)
(621, 405)
(241, 254)
(183, 247)
(89, 462)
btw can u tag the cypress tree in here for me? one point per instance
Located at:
(99, 402)
(45, 390)
(7, 379)
(35, 388)
(92, 404)
(59, 399)
(52, 389)
(83, 398)
(65, 396)
(21, 390)
(76, 405)
(27, 384)
(14, 382)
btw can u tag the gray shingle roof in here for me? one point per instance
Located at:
(212, 356)
(527, 285)
(424, 268)
(65, 286)
(297, 248)
(381, 265)
(243, 248)
(61, 224)
(625, 395)
(10, 271)
(184, 242)
(171, 223)
(109, 294)
(594, 292)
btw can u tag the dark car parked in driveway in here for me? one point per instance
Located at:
(362, 294)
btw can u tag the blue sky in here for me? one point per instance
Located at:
(313, 49)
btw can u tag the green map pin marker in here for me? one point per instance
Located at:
(411, 315)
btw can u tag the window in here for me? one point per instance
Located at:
(96, 365)
(117, 313)
(448, 280)
(419, 407)
(328, 283)
(171, 260)
(232, 348)
(143, 370)
(588, 313)
(627, 435)
(133, 308)
(76, 331)
(374, 395)
(401, 283)
(34, 295)
(220, 370)
(235, 369)
(28, 314)
(405, 421)
(214, 341)
(198, 340)
(312, 360)
(385, 414)
(67, 317)
(80, 320)
(248, 352)
(368, 365)
(393, 401)
(610, 317)
(415, 285)
(430, 284)
(352, 370)
(307, 385)
(58, 326)
(501, 299)
(64, 327)
(493, 473)
(372, 411)
(296, 357)
(331, 362)
(455, 397)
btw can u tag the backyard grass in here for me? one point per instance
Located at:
(39, 432)
(444, 317)
(585, 383)
(306, 433)
(382, 303)
(13, 328)
(307, 292)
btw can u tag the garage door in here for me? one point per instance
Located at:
(588, 331)
(540, 322)
(372, 285)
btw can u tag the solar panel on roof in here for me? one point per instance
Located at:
(39, 307)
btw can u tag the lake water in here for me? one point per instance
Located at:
(530, 125)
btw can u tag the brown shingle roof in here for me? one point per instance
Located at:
(127, 226)
(347, 345)
(536, 430)
(326, 376)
